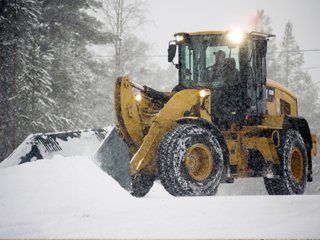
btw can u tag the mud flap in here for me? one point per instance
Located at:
(113, 158)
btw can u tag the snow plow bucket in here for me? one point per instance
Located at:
(46, 145)
(113, 158)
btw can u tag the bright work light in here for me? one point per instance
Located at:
(235, 36)
(203, 93)
(138, 97)
(180, 38)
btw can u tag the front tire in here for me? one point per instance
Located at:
(293, 166)
(190, 161)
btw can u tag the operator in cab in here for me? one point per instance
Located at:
(225, 80)
(218, 67)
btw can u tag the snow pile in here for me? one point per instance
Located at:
(72, 198)
(85, 145)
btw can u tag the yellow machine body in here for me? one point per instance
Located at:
(223, 120)
(142, 125)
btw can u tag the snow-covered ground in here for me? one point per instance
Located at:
(71, 197)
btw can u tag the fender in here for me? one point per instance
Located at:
(174, 109)
(301, 125)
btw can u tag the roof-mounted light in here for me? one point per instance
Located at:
(180, 38)
(235, 36)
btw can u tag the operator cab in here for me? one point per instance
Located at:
(232, 64)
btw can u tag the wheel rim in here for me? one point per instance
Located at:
(296, 164)
(199, 162)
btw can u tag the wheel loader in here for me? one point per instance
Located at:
(223, 120)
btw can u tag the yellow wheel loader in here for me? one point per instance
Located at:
(223, 120)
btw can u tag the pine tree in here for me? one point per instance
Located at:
(292, 76)
(262, 23)
(38, 84)
(47, 80)
(19, 77)
(308, 98)
(68, 30)
(290, 57)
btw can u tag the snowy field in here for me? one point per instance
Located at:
(72, 198)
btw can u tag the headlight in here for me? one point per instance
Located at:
(180, 38)
(138, 97)
(204, 92)
(235, 36)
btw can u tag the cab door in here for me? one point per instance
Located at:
(256, 79)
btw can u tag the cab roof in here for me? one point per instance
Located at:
(203, 33)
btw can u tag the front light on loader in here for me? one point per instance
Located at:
(203, 93)
(138, 97)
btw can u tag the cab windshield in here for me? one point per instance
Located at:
(208, 61)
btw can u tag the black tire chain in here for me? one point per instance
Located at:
(169, 182)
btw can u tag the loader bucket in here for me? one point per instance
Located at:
(46, 145)
(113, 158)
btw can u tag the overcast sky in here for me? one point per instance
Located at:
(170, 16)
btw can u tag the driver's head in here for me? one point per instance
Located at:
(220, 56)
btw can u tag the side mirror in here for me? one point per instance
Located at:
(172, 50)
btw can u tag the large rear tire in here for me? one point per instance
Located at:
(190, 161)
(293, 166)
